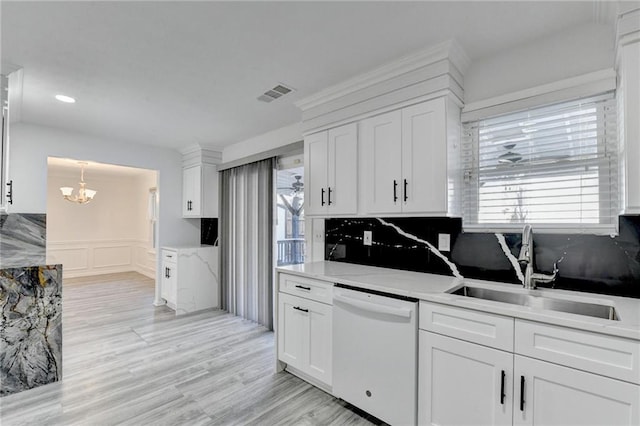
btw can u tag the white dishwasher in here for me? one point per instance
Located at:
(375, 348)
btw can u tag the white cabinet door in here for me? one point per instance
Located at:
(549, 394)
(315, 173)
(191, 191)
(381, 145)
(424, 158)
(304, 336)
(342, 170)
(462, 383)
(319, 349)
(292, 322)
(169, 283)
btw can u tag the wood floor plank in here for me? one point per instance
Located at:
(126, 362)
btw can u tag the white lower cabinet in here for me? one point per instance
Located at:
(169, 277)
(550, 394)
(304, 336)
(189, 278)
(464, 383)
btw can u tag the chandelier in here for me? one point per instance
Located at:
(84, 195)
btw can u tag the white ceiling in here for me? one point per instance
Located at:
(72, 166)
(178, 73)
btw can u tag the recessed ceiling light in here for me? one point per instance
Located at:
(65, 99)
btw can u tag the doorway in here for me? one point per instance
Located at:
(101, 218)
(290, 228)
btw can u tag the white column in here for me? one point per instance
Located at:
(628, 67)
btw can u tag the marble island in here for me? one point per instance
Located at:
(30, 306)
(31, 332)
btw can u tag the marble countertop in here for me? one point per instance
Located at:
(432, 287)
(186, 247)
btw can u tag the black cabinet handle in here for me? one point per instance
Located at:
(168, 272)
(165, 272)
(329, 196)
(395, 191)
(521, 393)
(303, 287)
(405, 191)
(322, 197)
(10, 192)
(502, 395)
(298, 308)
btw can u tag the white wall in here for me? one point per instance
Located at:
(109, 234)
(265, 142)
(32, 144)
(571, 53)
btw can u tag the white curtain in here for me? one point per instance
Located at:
(246, 223)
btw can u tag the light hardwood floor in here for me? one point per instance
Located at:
(128, 362)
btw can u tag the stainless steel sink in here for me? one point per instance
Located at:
(540, 302)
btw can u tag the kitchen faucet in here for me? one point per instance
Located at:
(526, 259)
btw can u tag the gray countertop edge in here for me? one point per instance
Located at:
(433, 288)
(22, 266)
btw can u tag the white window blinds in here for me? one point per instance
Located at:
(555, 166)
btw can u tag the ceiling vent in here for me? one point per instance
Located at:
(274, 93)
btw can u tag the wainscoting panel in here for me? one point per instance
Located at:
(112, 256)
(84, 258)
(144, 259)
(73, 259)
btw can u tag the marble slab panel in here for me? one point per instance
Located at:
(22, 240)
(31, 332)
(209, 231)
(591, 263)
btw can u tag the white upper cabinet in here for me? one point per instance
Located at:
(200, 191)
(315, 170)
(380, 143)
(424, 158)
(406, 157)
(331, 171)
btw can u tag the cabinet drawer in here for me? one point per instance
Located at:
(609, 356)
(483, 328)
(306, 287)
(169, 256)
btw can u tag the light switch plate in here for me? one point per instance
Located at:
(367, 237)
(444, 242)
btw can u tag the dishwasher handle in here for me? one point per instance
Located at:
(373, 307)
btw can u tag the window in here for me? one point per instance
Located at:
(554, 167)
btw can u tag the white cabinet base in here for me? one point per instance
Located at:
(193, 279)
(557, 395)
(462, 383)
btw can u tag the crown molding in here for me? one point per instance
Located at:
(449, 49)
(198, 148)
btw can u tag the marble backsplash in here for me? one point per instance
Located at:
(22, 240)
(208, 231)
(590, 263)
(31, 332)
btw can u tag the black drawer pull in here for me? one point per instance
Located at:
(10, 192)
(322, 196)
(521, 393)
(405, 191)
(329, 195)
(395, 191)
(303, 287)
(502, 395)
(298, 308)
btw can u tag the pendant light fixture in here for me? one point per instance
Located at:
(84, 194)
